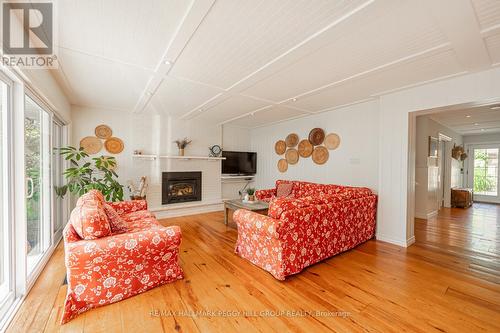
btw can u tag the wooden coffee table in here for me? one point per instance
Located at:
(258, 207)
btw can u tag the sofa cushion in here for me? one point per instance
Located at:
(118, 225)
(284, 190)
(278, 206)
(89, 218)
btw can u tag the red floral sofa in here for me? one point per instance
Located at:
(114, 251)
(313, 223)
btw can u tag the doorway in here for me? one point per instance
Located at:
(483, 172)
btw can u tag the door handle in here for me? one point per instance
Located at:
(29, 185)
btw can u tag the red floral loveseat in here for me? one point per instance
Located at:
(313, 223)
(115, 250)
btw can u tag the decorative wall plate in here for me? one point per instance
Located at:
(320, 155)
(316, 136)
(305, 148)
(91, 144)
(282, 165)
(292, 156)
(103, 131)
(291, 140)
(114, 145)
(280, 147)
(332, 141)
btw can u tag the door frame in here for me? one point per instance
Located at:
(469, 174)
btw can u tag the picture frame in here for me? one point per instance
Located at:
(433, 146)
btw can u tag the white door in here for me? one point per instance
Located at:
(483, 172)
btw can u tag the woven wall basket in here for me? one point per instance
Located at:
(114, 145)
(316, 136)
(292, 156)
(282, 165)
(320, 155)
(332, 141)
(103, 132)
(280, 147)
(305, 148)
(91, 144)
(292, 140)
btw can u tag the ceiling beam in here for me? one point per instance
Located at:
(184, 32)
(457, 20)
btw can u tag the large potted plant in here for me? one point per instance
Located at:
(86, 174)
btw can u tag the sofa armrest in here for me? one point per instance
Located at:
(265, 195)
(125, 207)
(110, 252)
(255, 223)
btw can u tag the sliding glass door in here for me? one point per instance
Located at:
(38, 185)
(57, 179)
(6, 258)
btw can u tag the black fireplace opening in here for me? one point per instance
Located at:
(180, 187)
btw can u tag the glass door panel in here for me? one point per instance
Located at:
(37, 181)
(485, 173)
(5, 240)
(57, 179)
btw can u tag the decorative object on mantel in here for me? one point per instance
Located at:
(114, 145)
(292, 140)
(215, 151)
(137, 152)
(320, 155)
(282, 165)
(305, 148)
(292, 156)
(138, 193)
(103, 131)
(433, 147)
(332, 141)
(91, 145)
(182, 144)
(280, 147)
(316, 136)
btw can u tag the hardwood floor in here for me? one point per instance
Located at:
(446, 282)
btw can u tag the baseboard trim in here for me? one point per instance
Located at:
(398, 242)
(180, 211)
(426, 216)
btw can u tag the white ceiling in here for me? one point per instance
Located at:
(256, 62)
(478, 120)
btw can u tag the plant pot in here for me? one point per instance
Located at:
(251, 197)
(181, 151)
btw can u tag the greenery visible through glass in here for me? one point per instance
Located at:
(486, 171)
(32, 141)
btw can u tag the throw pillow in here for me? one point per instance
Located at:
(118, 225)
(284, 190)
(89, 220)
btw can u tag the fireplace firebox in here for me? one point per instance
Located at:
(179, 187)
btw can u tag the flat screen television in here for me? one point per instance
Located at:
(239, 163)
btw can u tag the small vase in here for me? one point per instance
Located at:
(181, 151)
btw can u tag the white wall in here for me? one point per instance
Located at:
(154, 134)
(396, 178)
(355, 162)
(427, 170)
(235, 138)
(482, 138)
